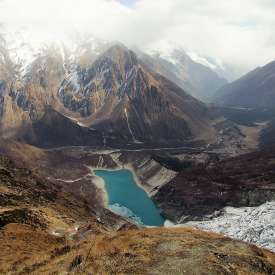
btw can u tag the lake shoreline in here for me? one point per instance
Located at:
(120, 188)
(101, 185)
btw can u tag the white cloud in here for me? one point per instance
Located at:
(240, 33)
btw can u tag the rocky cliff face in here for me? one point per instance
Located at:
(85, 89)
(26, 95)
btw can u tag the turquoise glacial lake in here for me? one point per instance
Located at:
(127, 199)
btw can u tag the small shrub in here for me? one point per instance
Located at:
(76, 262)
(61, 251)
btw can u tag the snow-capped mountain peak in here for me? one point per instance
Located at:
(201, 60)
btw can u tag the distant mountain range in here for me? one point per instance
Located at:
(101, 94)
(199, 80)
(254, 90)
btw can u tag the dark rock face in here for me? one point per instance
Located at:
(173, 163)
(2, 101)
(24, 216)
(2, 86)
(21, 99)
(56, 130)
(254, 90)
(2, 96)
(248, 180)
(267, 137)
(69, 100)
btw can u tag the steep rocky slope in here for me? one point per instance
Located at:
(247, 180)
(254, 90)
(26, 96)
(109, 98)
(54, 130)
(118, 95)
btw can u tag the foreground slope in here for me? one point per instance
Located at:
(46, 231)
(151, 251)
(48, 227)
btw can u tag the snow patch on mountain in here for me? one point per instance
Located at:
(24, 50)
(201, 60)
(73, 78)
(21, 52)
(172, 53)
(163, 50)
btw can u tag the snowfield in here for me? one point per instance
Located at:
(255, 225)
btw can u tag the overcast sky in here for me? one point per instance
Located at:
(238, 32)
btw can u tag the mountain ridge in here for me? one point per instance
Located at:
(253, 90)
(197, 79)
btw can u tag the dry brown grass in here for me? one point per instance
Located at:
(148, 251)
